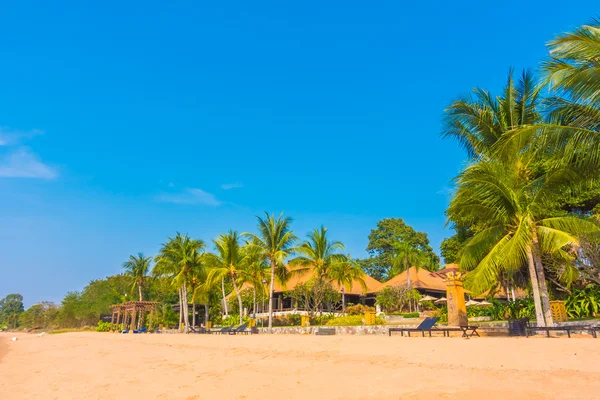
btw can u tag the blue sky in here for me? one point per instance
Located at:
(124, 122)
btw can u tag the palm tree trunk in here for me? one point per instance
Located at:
(193, 314)
(186, 314)
(224, 299)
(343, 301)
(140, 290)
(539, 313)
(408, 277)
(254, 302)
(237, 293)
(539, 268)
(180, 310)
(271, 289)
(206, 309)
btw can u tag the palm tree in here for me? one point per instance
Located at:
(137, 268)
(197, 278)
(571, 129)
(177, 259)
(509, 203)
(318, 254)
(405, 256)
(345, 274)
(228, 262)
(480, 120)
(255, 272)
(275, 241)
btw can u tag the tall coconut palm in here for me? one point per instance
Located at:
(571, 127)
(256, 272)
(275, 240)
(137, 268)
(345, 274)
(228, 262)
(177, 259)
(318, 254)
(405, 256)
(480, 120)
(509, 203)
(197, 277)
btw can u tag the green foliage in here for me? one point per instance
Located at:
(10, 308)
(584, 303)
(315, 295)
(411, 315)
(234, 319)
(389, 231)
(359, 309)
(288, 320)
(103, 326)
(393, 298)
(352, 320)
(41, 315)
(321, 319)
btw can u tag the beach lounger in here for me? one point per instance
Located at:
(425, 326)
(239, 329)
(143, 330)
(566, 328)
(467, 330)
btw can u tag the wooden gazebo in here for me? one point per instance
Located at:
(129, 312)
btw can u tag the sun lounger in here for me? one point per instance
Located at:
(566, 328)
(467, 330)
(143, 330)
(425, 326)
(239, 329)
(594, 330)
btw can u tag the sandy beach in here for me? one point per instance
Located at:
(113, 366)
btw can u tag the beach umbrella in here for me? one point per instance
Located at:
(472, 303)
(484, 303)
(427, 298)
(442, 300)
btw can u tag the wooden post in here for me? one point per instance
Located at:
(133, 327)
(116, 327)
(150, 319)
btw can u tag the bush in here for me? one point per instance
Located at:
(411, 315)
(289, 320)
(103, 326)
(352, 320)
(359, 309)
(233, 319)
(321, 319)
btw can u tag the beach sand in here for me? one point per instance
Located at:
(114, 366)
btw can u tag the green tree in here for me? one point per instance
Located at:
(509, 203)
(177, 259)
(41, 315)
(405, 256)
(345, 274)
(275, 241)
(137, 268)
(228, 262)
(381, 245)
(318, 255)
(10, 308)
(480, 120)
(450, 247)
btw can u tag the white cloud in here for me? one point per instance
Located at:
(24, 164)
(229, 186)
(9, 137)
(190, 196)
